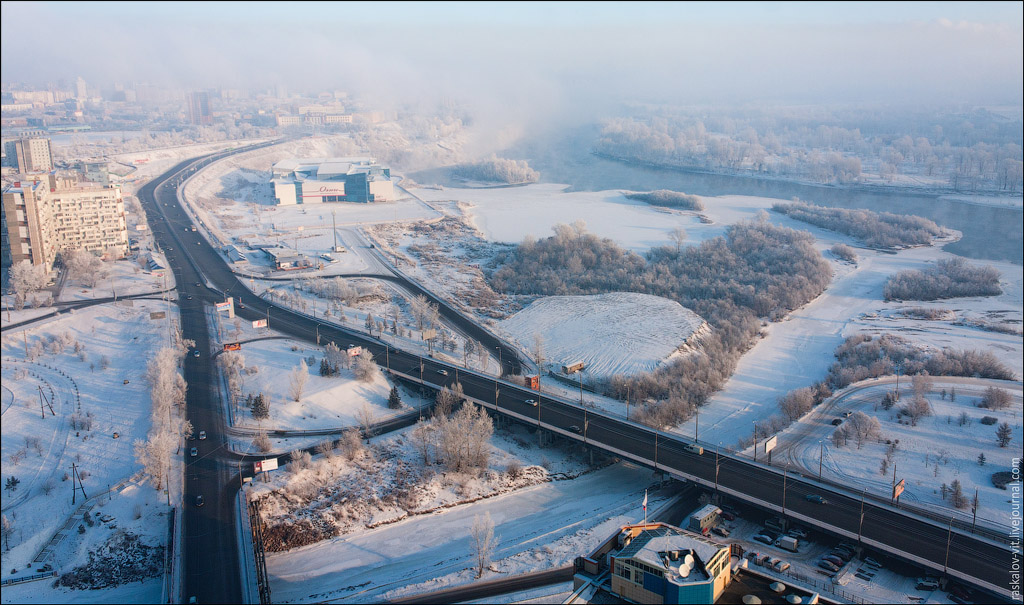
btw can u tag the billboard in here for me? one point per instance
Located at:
(770, 443)
(259, 323)
(572, 368)
(263, 466)
(429, 334)
(157, 315)
(355, 351)
(232, 346)
(223, 305)
(898, 489)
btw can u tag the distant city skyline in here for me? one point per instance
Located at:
(536, 58)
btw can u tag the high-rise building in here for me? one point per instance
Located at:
(29, 155)
(43, 217)
(80, 90)
(199, 109)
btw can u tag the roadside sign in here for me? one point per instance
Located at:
(233, 346)
(355, 351)
(265, 465)
(222, 305)
(259, 323)
(769, 443)
(898, 489)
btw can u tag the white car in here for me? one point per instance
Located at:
(531, 402)
(202, 435)
(194, 452)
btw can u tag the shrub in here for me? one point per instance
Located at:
(989, 420)
(669, 199)
(948, 278)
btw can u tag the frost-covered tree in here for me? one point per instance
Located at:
(365, 369)
(297, 379)
(483, 541)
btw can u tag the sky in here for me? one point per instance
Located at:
(535, 57)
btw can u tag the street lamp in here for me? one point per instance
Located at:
(755, 439)
(501, 368)
(785, 474)
(718, 447)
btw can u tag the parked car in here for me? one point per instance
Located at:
(816, 498)
(194, 452)
(797, 532)
(870, 561)
(721, 531)
(763, 560)
(842, 555)
(929, 585)
(728, 515)
(834, 560)
(751, 555)
(764, 539)
(781, 566)
(828, 566)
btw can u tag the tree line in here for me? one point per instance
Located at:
(497, 170)
(948, 278)
(875, 229)
(669, 199)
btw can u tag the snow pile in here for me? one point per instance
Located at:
(615, 333)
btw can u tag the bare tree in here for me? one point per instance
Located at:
(483, 541)
(678, 237)
(863, 427)
(325, 448)
(6, 530)
(297, 380)
(538, 349)
(262, 442)
(995, 399)
(350, 443)
(422, 438)
(917, 408)
(796, 403)
(365, 419)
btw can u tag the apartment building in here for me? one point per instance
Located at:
(29, 155)
(43, 217)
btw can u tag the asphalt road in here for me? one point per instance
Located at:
(211, 561)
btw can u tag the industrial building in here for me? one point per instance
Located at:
(320, 180)
(43, 217)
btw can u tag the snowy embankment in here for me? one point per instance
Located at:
(616, 333)
(540, 527)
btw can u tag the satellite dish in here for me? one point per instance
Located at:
(749, 599)
(688, 559)
(778, 587)
(684, 571)
(795, 600)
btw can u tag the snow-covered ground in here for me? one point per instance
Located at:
(326, 402)
(539, 527)
(620, 332)
(123, 278)
(101, 404)
(937, 451)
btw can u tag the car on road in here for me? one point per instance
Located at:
(816, 498)
(531, 402)
(188, 297)
(202, 435)
(443, 372)
(575, 429)
(847, 414)
(198, 285)
(195, 353)
(199, 500)
(764, 539)
(194, 452)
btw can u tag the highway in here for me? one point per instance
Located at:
(211, 564)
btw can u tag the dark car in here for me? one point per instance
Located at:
(728, 515)
(575, 429)
(834, 560)
(199, 500)
(816, 498)
(721, 531)
(764, 539)
(837, 422)
(828, 566)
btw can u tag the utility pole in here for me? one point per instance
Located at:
(821, 455)
(718, 447)
(581, 388)
(860, 525)
(949, 539)
(785, 475)
(974, 510)
(755, 440)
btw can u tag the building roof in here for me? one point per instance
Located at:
(322, 168)
(653, 546)
(706, 510)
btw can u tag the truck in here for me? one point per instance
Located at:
(533, 381)
(694, 449)
(788, 543)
